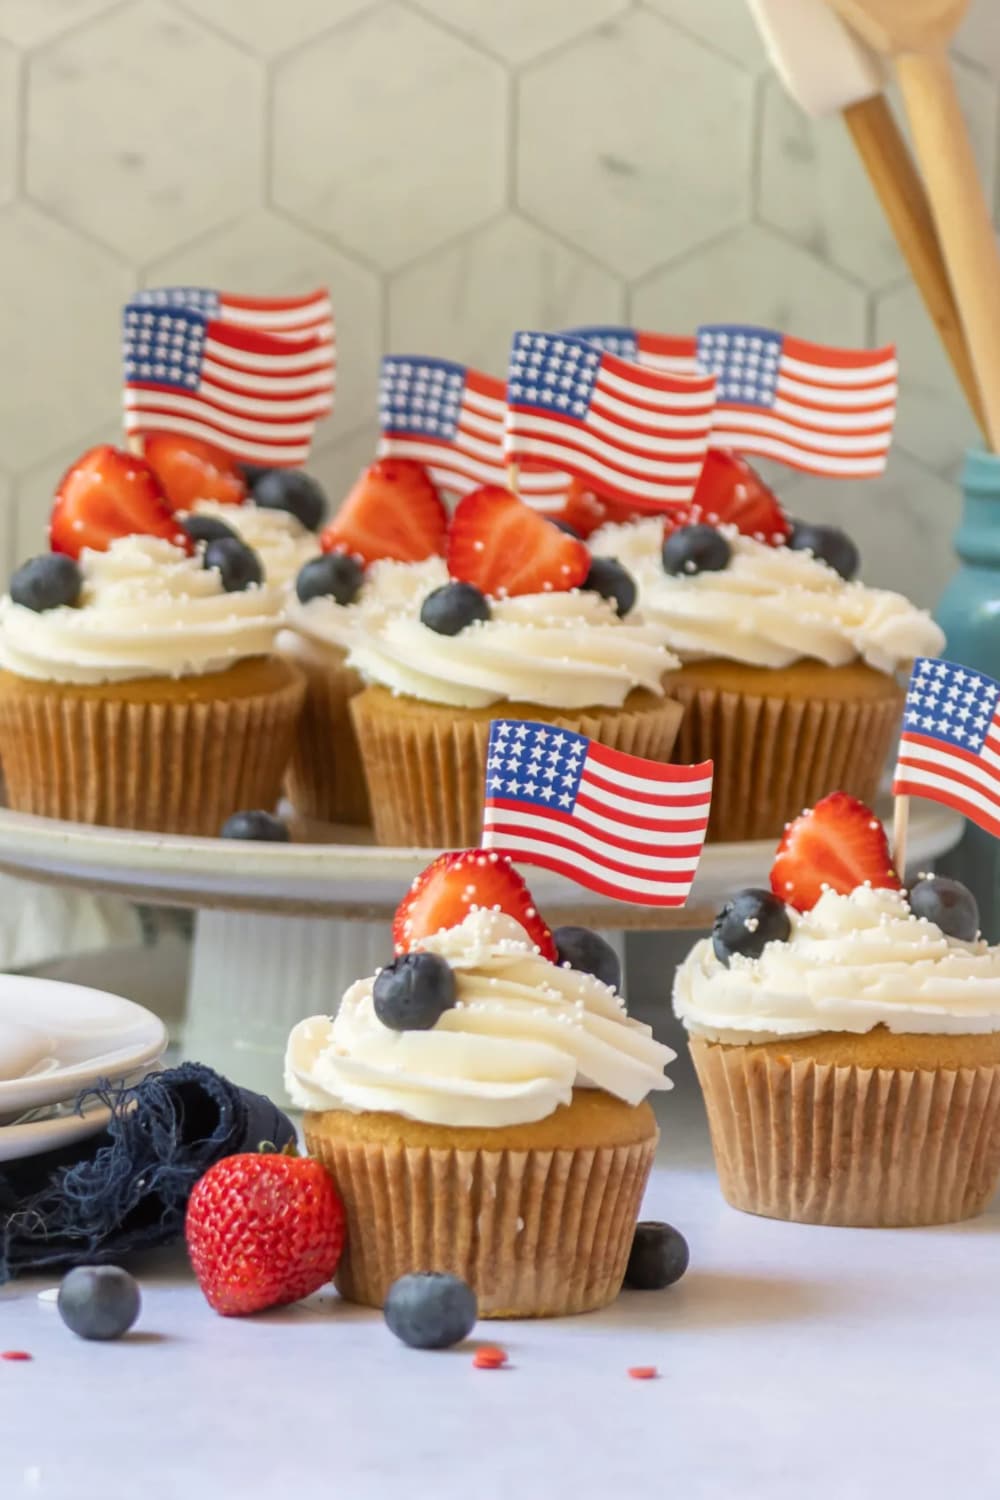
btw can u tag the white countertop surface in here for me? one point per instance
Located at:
(795, 1363)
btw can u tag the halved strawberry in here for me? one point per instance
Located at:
(190, 470)
(453, 885)
(393, 511)
(729, 492)
(837, 845)
(108, 494)
(504, 547)
(581, 508)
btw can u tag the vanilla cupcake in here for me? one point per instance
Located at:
(789, 671)
(140, 688)
(480, 1106)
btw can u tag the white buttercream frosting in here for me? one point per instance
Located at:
(851, 963)
(146, 609)
(769, 607)
(279, 539)
(523, 1033)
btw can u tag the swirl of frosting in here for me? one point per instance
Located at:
(770, 607)
(562, 650)
(146, 610)
(279, 539)
(389, 587)
(523, 1033)
(851, 963)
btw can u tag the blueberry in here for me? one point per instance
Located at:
(237, 564)
(99, 1302)
(608, 578)
(431, 1309)
(829, 544)
(335, 575)
(46, 582)
(252, 472)
(263, 827)
(413, 992)
(291, 490)
(453, 606)
(948, 903)
(695, 549)
(565, 526)
(590, 953)
(659, 1257)
(208, 529)
(748, 920)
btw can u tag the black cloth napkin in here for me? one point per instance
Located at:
(127, 1188)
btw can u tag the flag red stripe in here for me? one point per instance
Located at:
(639, 820)
(596, 779)
(601, 450)
(150, 411)
(843, 359)
(687, 853)
(904, 787)
(275, 304)
(674, 347)
(950, 751)
(273, 416)
(655, 770)
(946, 767)
(593, 883)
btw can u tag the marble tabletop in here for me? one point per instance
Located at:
(794, 1362)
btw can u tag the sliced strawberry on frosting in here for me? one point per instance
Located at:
(456, 884)
(108, 494)
(505, 548)
(837, 845)
(394, 511)
(190, 470)
(731, 493)
(581, 508)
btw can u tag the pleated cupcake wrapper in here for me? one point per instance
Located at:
(536, 1233)
(875, 1147)
(426, 770)
(326, 778)
(173, 766)
(775, 756)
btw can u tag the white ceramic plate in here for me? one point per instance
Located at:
(34, 1137)
(56, 1039)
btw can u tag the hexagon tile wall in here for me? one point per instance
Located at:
(452, 168)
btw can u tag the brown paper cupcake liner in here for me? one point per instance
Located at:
(537, 1233)
(775, 756)
(326, 779)
(426, 764)
(863, 1147)
(177, 765)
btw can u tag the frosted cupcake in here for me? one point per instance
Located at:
(524, 621)
(480, 1102)
(846, 1035)
(789, 675)
(139, 686)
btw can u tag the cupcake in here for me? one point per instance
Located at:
(381, 552)
(138, 683)
(846, 1035)
(526, 621)
(789, 676)
(481, 1101)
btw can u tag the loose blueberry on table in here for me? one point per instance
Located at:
(449, 609)
(695, 549)
(256, 824)
(431, 1310)
(46, 582)
(589, 953)
(659, 1257)
(291, 490)
(414, 991)
(829, 544)
(238, 565)
(608, 578)
(949, 904)
(335, 575)
(748, 921)
(99, 1302)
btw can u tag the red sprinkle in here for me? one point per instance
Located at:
(489, 1357)
(16, 1354)
(644, 1372)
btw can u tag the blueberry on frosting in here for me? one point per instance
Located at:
(696, 549)
(291, 490)
(949, 904)
(589, 953)
(748, 921)
(449, 609)
(608, 578)
(237, 564)
(46, 582)
(413, 992)
(208, 529)
(828, 544)
(335, 575)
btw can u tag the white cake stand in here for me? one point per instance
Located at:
(283, 929)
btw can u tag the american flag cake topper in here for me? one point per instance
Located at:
(625, 827)
(949, 750)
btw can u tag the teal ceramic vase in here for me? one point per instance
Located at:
(969, 615)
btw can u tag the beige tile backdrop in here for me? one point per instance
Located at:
(452, 168)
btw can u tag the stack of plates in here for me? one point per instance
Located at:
(56, 1040)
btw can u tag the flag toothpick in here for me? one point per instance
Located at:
(949, 749)
(900, 832)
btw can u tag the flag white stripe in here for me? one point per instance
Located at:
(453, 461)
(670, 364)
(258, 452)
(932, 755)
(750, 421)
(587, 842)
(836, 421)
(192, 405)
(319, 380)
(886, 369)
(304, 359)
(732, 437)
(492, 407)
(248, 405)
(636, 884)
(843, 400)
(662, 789)
(678, 485)
(699, 398)
(622, 803)
(940, 782)
(669, 464)
(664, 837)
(271, 319)
(600, 421)
(485, 427)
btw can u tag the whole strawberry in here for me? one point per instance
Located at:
(262, 1230)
